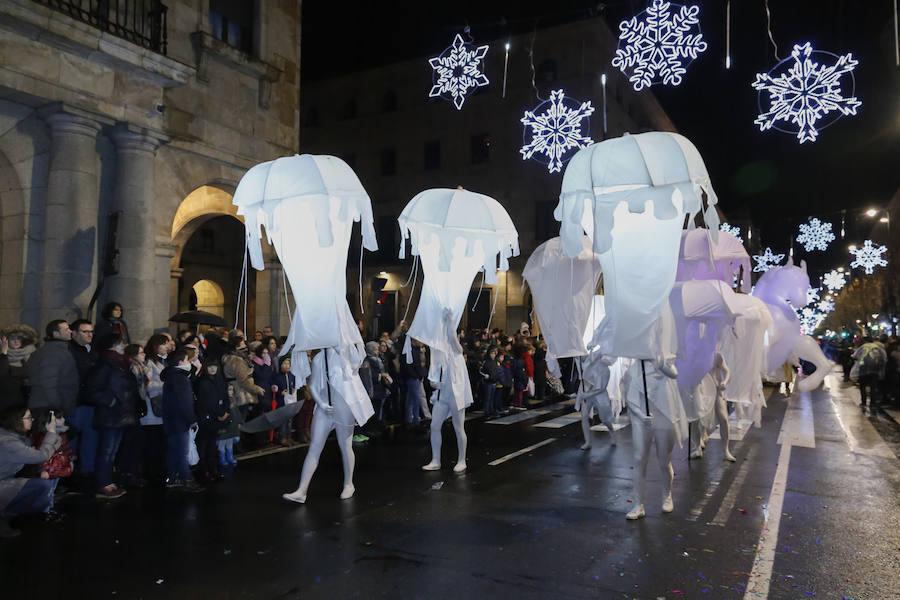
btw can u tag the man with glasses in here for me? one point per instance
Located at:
(85, 439)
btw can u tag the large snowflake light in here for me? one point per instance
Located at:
(658, 47)
(457, 71)
(810, 319)
(815, 235)
(868, 257)
(766, 261)
(553, 129)
(825, 306)
(801, 93)
(834, 280)
(733, 230)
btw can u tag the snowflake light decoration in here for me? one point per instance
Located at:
(812, 295)
(457, 71)
(815, 235)
(554, 129)
(766, 261)
(658, 47)
(825, 306)
(810, 319)
(804, 92)
(834, 280)
(733, 230)
(868, 257)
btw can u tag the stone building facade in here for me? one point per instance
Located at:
(400, 142)
(148, 112)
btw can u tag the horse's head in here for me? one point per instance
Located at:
(788, 283)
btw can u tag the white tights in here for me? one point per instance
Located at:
(604, 415)
(440, 412)
(642, 435)
(322, 424)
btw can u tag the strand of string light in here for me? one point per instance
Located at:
(728, 34)
(412, 290)
(531, 61)
(896, 36)
(363, 310)
(769, 28)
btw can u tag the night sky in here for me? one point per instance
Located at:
(769, 176)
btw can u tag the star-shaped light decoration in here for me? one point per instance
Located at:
(766, 261)
(733, 230)
(812, 295)
(554, 129)
(815, 235)
(868, 257)
(802, 93)
(457, 71)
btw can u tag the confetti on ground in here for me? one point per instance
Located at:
(159, 581)
(437, 485)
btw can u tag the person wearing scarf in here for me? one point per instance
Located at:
(112, 389)
(112, 320)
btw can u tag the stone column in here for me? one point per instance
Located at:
(135, 194)
(70, 214)
(167, 280)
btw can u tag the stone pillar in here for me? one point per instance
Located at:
(70, 214)
(135, 195)
(167, 280)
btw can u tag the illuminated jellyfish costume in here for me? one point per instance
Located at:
(563, 292)
(455, 234)
(307, 205)
(631, 196)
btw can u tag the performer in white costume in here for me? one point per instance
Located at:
(665, 424)
(593, 394)
(340, 408)
(715, 383)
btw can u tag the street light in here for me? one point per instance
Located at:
(871, 212)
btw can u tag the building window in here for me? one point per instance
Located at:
(481, 148)
(349, 111)
(389, 102)
(432, 155)
(387, 237)
(545, 226)
(232, 21)
(388, 161)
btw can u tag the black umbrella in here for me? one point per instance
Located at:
(272, 419)
(198, 317)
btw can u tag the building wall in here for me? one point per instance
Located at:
(91, 124)
(581, 53)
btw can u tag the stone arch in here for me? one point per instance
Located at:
(201, 205)
(210, 297)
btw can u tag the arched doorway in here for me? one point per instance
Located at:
(207, 295)
(206, 268)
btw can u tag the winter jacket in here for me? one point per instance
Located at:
(415, 369)
(490, 370)
(16, 452)
(519, 374)
(284, 382)
(177, 400)
(13, 385)
(504, 374)
(107, 326)
(211, 402)
(84, 362)
(237, 371)
(113, 392)
(376, 368)
(262, 377)
(54, 378)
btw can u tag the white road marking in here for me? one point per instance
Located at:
(530, 414)
(797, 429)
(727, 508)
(700, 506)
(738, 430)
(503, 459)
(563, 421)
(862, 437)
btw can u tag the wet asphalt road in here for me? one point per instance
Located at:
(546, 524)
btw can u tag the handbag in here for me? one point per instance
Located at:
(530, 387)
(156, 405)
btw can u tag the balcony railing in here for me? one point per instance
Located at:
(142, 22)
